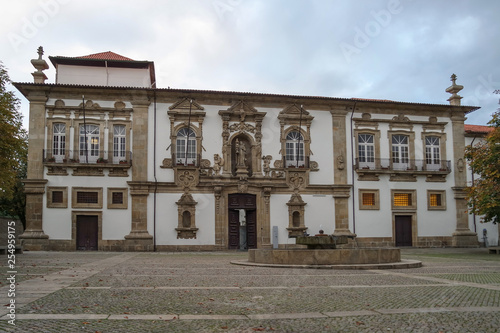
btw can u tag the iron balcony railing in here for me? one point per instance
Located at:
(290, 164)
(90, 156)
(381, 164)
(183, 161)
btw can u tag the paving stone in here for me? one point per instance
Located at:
(457, 290)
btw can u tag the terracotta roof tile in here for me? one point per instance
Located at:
(105, 56)
(371, 99)
(478, 129)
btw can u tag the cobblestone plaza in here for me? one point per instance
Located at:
(456, 290)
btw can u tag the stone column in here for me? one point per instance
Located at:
(463, 236)
(33, 237)
(139, 238)
(264, 234)
(220, 219)
(341, 194)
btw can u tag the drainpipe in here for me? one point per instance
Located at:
(472, 179)
(352, 173)
(154, 172)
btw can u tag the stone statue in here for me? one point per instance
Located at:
(240, 153)
(267, 162)
(218, 162)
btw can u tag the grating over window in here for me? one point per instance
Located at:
(87, 197)
(435, 200)
(117, 198)
(402, 199)
(368, 199)
(57, 196)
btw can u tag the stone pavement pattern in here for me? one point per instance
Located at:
(457, 290)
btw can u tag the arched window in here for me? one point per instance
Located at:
(294, 149)
(59, 142)
(89, 143)
(185, 147)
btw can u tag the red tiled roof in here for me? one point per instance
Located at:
(478, 129)
(105, 56)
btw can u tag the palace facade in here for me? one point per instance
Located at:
(117, 164)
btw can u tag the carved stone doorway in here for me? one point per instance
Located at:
(242, 219)
(242, 140)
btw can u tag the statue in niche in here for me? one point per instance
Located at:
(241, 150)
(267, 164)
(218, 162)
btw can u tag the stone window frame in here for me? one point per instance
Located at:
(75, 204)
(50, 136)
(180, 116)
(411, 145)
(198, 138)
(376, 143)
(411, 207)
(376, 192)
(295, 118)
(442, 144)
(50, 190)
(443, 199)
(124, 191)
(307, 144)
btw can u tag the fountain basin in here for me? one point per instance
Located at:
(324, 256)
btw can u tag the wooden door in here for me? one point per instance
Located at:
(86, 232)
(234, 229)
(403, 230)
(251, 216)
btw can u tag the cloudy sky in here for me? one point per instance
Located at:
(402, 50)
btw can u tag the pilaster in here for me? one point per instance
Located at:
(463, 236)
(341, 196)
(33, 237)
(139, 238)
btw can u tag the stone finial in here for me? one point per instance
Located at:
(453, 90)
(40, 65)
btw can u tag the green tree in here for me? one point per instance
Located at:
(484, 159)
(13, 151)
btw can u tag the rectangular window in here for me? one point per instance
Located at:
(117, 198)
(369, 199)
(87, 197)
(402, 199)
(57, 197)
(436, 200)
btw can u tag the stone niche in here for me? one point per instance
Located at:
(296, 226)
(186, 207)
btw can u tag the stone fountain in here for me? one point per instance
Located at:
(322, 252)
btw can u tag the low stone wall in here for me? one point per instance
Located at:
(325, 256)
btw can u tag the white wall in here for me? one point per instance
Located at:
(167, 219)
(322, 147)
(88, 75)
(116, 223)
